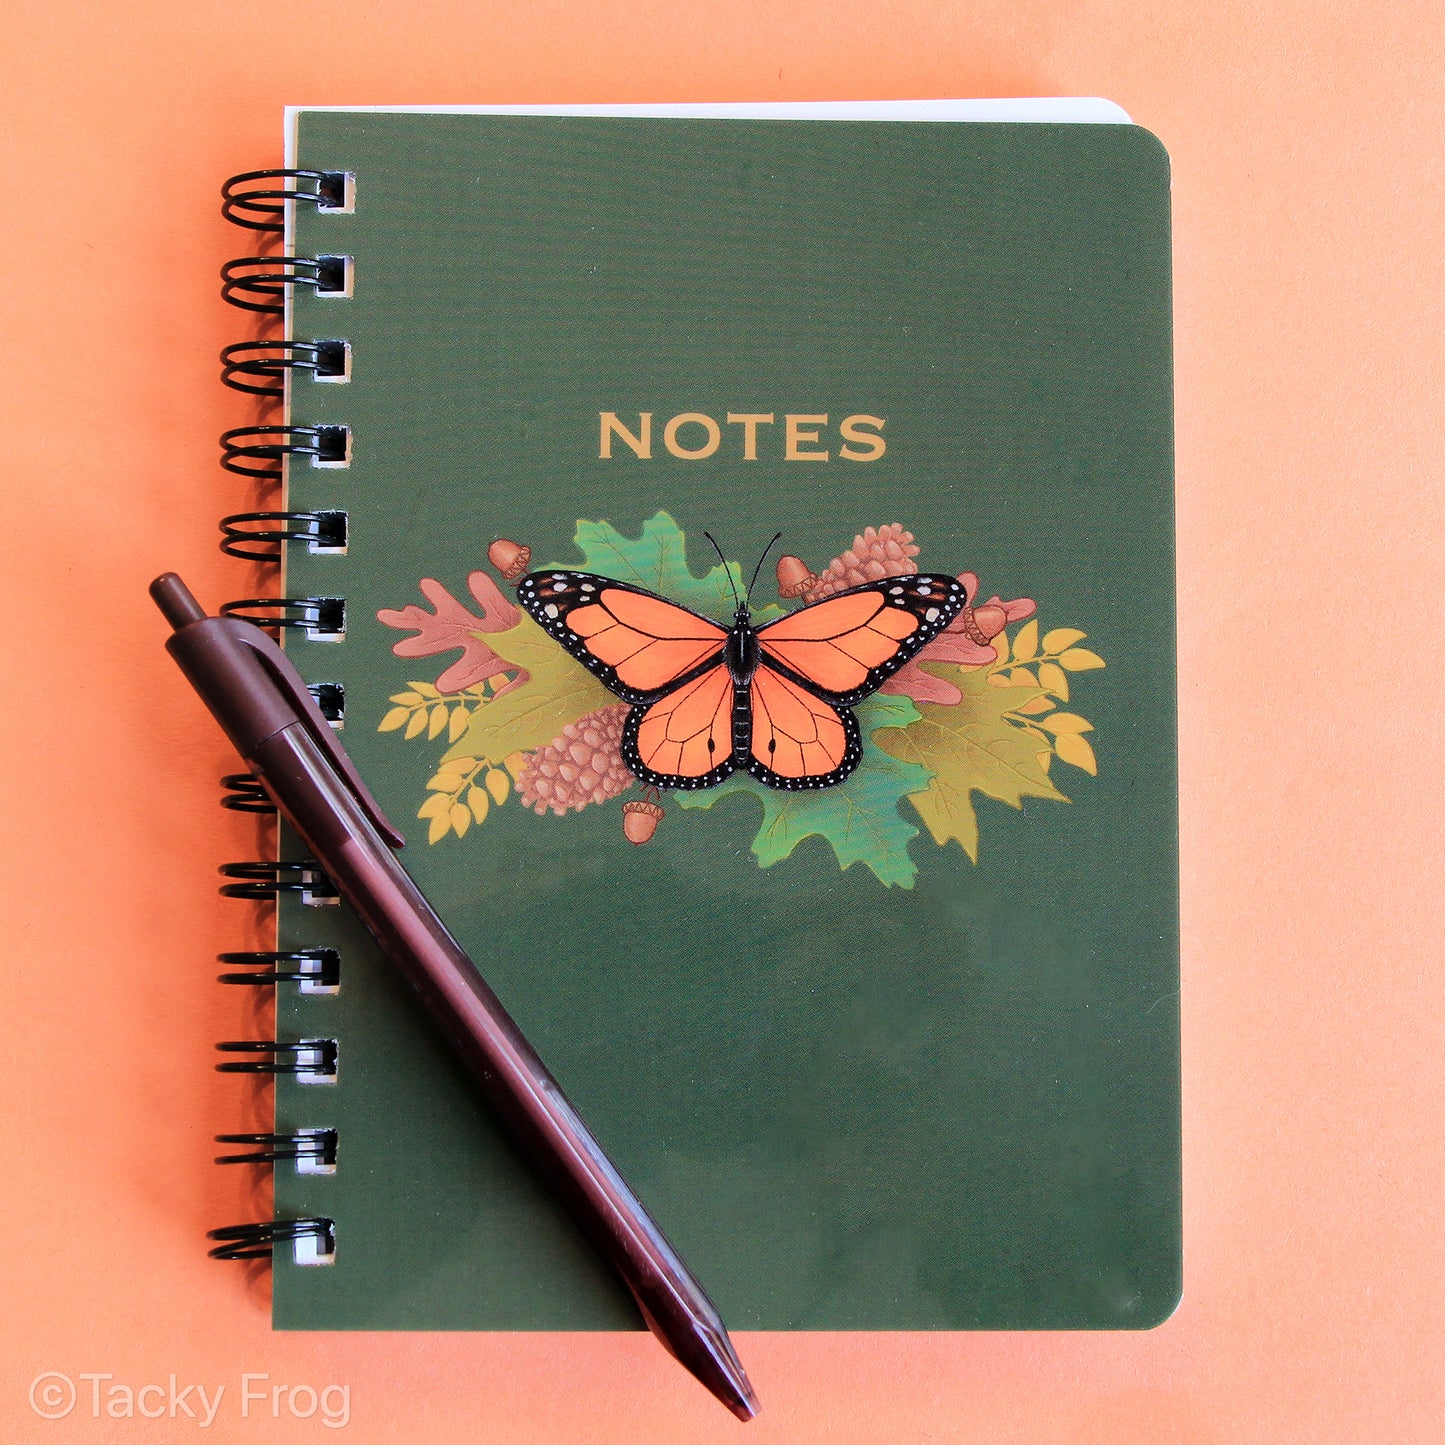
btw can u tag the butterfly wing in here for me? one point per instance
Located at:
(685, 739)
(847, 646)
(799, 740)
(637, 644)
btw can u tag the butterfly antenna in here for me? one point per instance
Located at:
(778, 537)
(727, 571)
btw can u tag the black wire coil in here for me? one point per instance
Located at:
(257, 200)
(323, 615)
(244, 794)
(284, 1058)
(255, 1241)
(266, 967)
(258, 283)
(267, 879)
(319, 1146)
(248, 363)
(261, 536)
(260, 451)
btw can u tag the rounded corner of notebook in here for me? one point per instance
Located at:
(1163, 1309)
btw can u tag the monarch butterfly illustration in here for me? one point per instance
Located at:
(708, 700)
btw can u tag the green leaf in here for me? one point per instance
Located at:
(859, 818)
(970, 748)
(558, 691)
(657, 560)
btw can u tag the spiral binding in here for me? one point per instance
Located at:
(251, 199)
(248, 278)
(317, 1147)
(260, 536)
(248, 363)
(265, 880)
(260, 452)
(312, 1057)
(267, 967)
(255, 1241)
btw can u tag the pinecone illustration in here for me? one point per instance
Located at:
(584, 765)
(879, 552)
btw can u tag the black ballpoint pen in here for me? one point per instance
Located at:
(260, 701)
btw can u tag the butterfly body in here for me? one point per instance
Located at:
(774, 701)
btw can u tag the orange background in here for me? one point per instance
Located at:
(1306, 147)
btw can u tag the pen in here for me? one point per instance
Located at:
(260, 701)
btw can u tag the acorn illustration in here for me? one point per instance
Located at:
(984, 623)
(640, 819)
(795, 577)
(511, 559)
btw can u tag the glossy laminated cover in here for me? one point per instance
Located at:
(897, 1053)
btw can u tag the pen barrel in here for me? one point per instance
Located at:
(481, 1032)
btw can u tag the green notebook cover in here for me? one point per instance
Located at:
(902, 1053)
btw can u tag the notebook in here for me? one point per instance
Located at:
(895, 1052)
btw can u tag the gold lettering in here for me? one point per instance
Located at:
(692, 418)
(750, 421)
(803, 427)
(871, 445)
(640, 444)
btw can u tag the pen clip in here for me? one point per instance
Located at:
(287, 680)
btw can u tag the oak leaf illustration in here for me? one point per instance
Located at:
(970, 747)
(556, 690)
(451, 625)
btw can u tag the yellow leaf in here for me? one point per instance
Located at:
(513, 763)
(393, 720)
(1045, 758)
(424, 688)
(1060, 638)
(1021, 677)
(458, 723)
(499, 785)
(1026, 641)
(438, 721)
(1036, 705)
(461, 818)
(417, 725)
(435, 805)
(479, 803)
(406, 699)
(1080, 659)
(998, 679)
(441, 825)
(1067, 723)
(1076, 750)
(1000, 650)
(970, 748)
(1051, 676)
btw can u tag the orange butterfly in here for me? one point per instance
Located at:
(708, 699)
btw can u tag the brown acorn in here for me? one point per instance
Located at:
(640, 820)
(795, 577)
(511, 559)
(988, 621)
